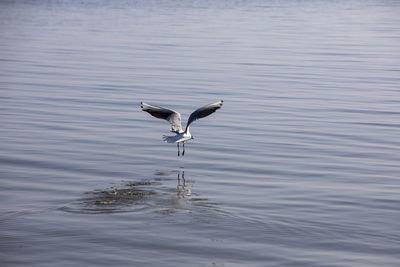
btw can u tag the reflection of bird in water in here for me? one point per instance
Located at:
(174, 118)
(183, 189)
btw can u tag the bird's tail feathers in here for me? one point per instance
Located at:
(169, 138)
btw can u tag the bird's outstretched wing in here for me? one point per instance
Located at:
(167, 114)
(204, 112)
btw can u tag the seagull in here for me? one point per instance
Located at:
(181, 136)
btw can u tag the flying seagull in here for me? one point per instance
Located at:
(175, 119)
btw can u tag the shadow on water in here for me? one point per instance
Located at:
(164, 193)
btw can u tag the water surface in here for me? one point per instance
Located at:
(299, 168)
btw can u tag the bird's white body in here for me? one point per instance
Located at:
(179, 138)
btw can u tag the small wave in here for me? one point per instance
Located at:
(161, 195)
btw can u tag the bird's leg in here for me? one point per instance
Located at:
(183, 152)
(178, 148)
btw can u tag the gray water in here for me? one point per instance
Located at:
(300, 167)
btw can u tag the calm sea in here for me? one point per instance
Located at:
(300, 167)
